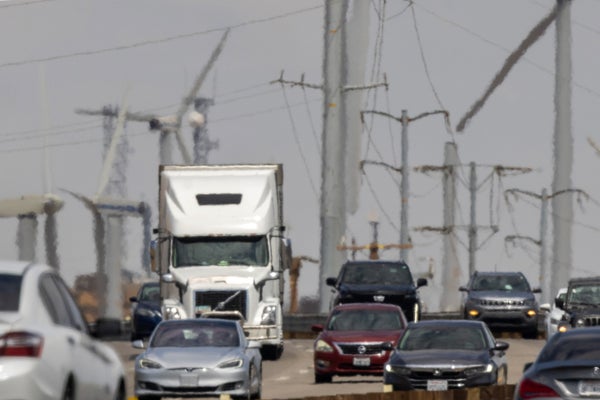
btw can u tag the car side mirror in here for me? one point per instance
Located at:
(537, 290)
(545, 307)
(137, 344)
(316, 328)
(331, 281)
(133, 299)
(421, 282)
(463, 289)
(560, 303)
(501, 346)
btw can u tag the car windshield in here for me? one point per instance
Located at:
(584, 295)
(374, 273)
(150, 292)
(364, 320)
(507, 283)
(10, 291)
(230, 250)
(190, 334)
(574, 348)
(443, 338)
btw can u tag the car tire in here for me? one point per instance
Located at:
(531, 333)
(148, 397)
(321, 378)
(69, 392)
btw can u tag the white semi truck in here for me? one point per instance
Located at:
(221, 248)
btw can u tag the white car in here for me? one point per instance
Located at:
(553, 313)
(46, 350)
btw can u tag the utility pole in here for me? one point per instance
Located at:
(334, 177)
(545, 275)
(404, 191)
(562, 206)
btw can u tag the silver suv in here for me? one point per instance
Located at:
(503, 300)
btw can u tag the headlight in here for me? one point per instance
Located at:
(269, 315)
(173, 313)
(323, 346)
(396, 369)
(236, 363)
(149, 364)
(482, 369)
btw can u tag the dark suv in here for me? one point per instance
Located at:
(582, 303)
(503, 300)
(378, 281)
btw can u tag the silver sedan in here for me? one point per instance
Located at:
(198, 357)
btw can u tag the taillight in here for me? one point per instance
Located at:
(529, 389)
(21, 344)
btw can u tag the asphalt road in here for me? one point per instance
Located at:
(291, 377)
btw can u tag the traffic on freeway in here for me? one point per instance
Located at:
(292, 376)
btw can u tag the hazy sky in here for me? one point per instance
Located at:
(436, 54)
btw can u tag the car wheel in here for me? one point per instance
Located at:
(320, 378)
(530, 333)
(149, 397)
(256, 376)
(69, 392)
(120, 393)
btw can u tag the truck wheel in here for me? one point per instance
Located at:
(271, 352)
(319, 378)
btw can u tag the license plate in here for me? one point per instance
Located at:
(436, 385)
(361, 362)
(589, 388)
(188, 380)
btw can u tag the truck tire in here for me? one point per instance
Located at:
(271, 352)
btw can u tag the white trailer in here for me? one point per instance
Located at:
(221, 248)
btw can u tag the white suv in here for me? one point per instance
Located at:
(46, 351)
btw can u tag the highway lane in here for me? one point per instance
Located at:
(292, 375)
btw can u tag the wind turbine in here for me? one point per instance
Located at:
(170, 125)
(27, 208)
(108, 213)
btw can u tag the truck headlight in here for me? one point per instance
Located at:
(269, 315)
(172, 313)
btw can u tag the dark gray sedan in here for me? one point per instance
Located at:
(568, 367)
(446, 354)
(198, 357)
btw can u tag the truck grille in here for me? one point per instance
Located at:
(213, 298)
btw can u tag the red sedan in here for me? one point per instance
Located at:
(352, 340)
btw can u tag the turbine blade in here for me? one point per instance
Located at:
(189, 99)
(510, 61)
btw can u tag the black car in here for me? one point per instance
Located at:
(446, 354)
(380, 282)
(146, 313)
(567, 367)
(503, 300)
(582, 303)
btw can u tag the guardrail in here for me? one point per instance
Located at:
(502, 392)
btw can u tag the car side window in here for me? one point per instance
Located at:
(76, 318)
(53, 301)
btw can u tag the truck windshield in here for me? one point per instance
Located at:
(222, 250)
(586, 295)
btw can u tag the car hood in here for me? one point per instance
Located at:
(436, 357)
(186, 357)
(361, 336)
(149, 305)
(377, 288)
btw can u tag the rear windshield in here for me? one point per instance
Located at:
(571, 348)
(10, 290)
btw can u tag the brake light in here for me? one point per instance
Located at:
(21, 344)
(529, 389)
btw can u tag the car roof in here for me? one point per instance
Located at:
(583, 280)
(13, 267)
(498, 273)
(374, 262)
(366, 306)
